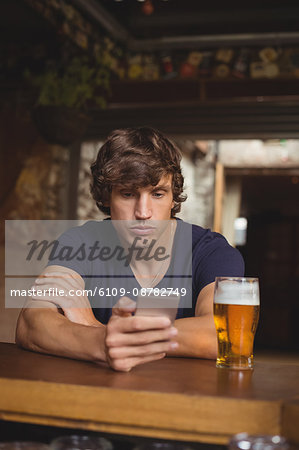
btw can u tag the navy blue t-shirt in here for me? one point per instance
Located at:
(212, 256)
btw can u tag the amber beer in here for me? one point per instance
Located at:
(236, 313)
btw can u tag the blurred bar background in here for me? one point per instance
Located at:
(221, 79)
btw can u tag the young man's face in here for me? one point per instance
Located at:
(143, 204)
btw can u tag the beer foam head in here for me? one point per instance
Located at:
(237, 293)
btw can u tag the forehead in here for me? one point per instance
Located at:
(164, 182)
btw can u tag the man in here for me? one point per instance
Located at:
(136, 180)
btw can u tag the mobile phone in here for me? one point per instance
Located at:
(158, 305)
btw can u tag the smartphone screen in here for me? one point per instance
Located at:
(158, 305)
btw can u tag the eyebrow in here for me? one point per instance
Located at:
(165, 187)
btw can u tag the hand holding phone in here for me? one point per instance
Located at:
(158, 305)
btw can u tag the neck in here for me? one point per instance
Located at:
(150, 264)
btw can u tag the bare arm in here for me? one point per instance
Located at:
(125, 342)
(45, 330)
(197, 335)
(41, 327)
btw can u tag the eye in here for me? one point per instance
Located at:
(158, 194)
(127, 194)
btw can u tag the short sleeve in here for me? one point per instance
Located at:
(213, 257)
(70, 251)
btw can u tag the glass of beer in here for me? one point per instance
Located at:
(236, 314)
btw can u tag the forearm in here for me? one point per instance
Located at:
(46, 331)
(196, 337)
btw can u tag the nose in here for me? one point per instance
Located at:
(143, 207)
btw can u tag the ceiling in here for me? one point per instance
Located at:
(192, 22)
(172, 24)
(197, 17)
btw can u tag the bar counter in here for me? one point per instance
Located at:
(175, 398)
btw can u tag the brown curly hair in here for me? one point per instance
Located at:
(136, 157)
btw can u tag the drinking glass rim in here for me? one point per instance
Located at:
(249, 279)
(81, 439)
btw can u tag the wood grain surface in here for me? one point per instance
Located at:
(176, 398)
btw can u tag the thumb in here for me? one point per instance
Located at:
(124, 307)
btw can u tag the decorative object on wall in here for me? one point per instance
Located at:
(135, 66)
(267, 66)
(167, 68)
(223, 59)
(151, 69)
(189, 68)
(241, 64)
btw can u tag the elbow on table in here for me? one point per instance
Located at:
(26, 329)
(22, 331)
(209, 350)
(213, 346)
(213, 352)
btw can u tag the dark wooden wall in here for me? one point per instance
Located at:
(209, 109)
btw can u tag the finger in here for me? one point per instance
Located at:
(39, 304)
(124, 307)
(125, 365)
(139, 323)
(59, 281)
(59, 285)
(141, 350)
(48, 289)
(141, 338)
(50, 294)
(72, 278)
(61, 274)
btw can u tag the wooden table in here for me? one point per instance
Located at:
(176, 398)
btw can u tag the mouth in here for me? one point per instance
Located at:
(142, 230)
